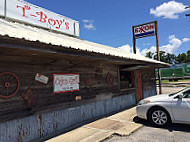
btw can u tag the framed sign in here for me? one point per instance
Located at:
(66, 82)
(20, 10)
(144, 30)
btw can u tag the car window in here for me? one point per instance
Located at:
(172, 94)
(186, 94)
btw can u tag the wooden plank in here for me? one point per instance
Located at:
(25, 67)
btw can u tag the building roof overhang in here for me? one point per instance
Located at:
(19, 36)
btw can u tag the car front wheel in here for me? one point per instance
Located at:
(159, 117)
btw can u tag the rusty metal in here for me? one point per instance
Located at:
(88, 82)
(28, 97)
(110, 79)
(139, 85)
(9, 85)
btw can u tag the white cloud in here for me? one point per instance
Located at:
(171, 47)
(174, 44)
(151, 49)
(186, 39)
(170, 10)
(127, 48)
(89, 24)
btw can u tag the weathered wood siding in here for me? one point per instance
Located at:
(92, 82)
(149, 82)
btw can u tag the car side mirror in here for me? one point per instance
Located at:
(180, 96)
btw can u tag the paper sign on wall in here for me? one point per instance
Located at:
(41, 78)
(65, 83)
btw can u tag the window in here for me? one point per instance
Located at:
(126, 79)
(186, 94)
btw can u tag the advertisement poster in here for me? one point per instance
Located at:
(66, 82)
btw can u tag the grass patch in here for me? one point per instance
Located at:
(180, 80)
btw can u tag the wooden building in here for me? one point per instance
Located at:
(109, 80)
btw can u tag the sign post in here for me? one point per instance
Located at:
(158, 58)
(145, 30)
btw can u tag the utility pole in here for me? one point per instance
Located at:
(187, 8)
(158, 58)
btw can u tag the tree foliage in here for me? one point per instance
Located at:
(170, 58)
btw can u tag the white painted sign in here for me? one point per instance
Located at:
(186, 68)
(65, 83)
(2, 8)
(20, 10)
(144, 30)
(41, 78)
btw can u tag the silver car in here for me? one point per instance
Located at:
(161, 110)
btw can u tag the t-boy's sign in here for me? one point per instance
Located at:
(148, 29)
(65, 83)
(20, 10)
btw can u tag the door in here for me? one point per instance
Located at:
(181, 107)
(139, 85)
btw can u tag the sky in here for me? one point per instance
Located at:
(110, 22)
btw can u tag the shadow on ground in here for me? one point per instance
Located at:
(171, 127)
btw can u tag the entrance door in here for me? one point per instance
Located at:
(139, 85)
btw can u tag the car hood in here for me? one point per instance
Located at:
(157, 98)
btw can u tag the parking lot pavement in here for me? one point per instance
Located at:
(168, 90)
(173, 133)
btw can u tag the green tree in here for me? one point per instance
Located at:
(162, 57)
(149, 54)
(188, 56)
(171, 58)
(181, 58)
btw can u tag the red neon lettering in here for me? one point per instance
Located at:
(24, 9)
(59, 22)
(61, 82)
(73, 80)
(67, 25)
(43, 16)
(151, 26)
(146, 27)
(136, 30)
(33, 15)
(51, 22)
(141, 30)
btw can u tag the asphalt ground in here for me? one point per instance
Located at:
(173, 133)
(148, 133)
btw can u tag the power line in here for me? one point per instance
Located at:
(187, 8)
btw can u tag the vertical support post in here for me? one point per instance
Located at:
(158, 57)
(5, 9)
(134, 42)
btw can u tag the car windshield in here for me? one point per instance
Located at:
(176, 92)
